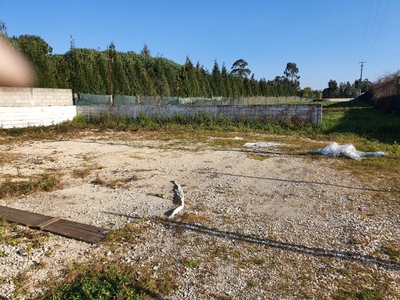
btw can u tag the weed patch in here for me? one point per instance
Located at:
(42, 183)
(81, 173)
(6, 158)
(191, 263)
(392, 251)
(257, 156)
(115, 183)
(113, 280)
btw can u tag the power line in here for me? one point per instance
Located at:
(372, 33)
(373, 26)
(379, 29)
(367, 49)
(366, 29)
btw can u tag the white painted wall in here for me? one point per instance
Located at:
(24, 106)
(19, 117)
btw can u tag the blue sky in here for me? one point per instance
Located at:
(325, 38)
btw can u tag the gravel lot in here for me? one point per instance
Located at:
(258, 224)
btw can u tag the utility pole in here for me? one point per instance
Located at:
(360, 83)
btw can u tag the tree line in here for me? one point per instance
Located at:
(345, 89)
(128, 73)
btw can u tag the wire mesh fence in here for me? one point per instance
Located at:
(91, 99)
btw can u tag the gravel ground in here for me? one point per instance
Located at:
(261, 226)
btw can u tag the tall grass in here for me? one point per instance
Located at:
(344, 121)
(358, 120)
(204, 122)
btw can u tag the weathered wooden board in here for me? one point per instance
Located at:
(69, 229)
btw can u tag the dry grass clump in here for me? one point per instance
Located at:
(81, 173)
(386, 86)
(8, 157)
(115, 183)
(27, 186)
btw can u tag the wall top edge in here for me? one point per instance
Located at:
(7, 88)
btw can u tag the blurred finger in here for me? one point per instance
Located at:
(15, 70)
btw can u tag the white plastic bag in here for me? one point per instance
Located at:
(348, 150)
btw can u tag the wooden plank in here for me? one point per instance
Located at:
(73, 230)
(22, 217)
(47, 223)
(59, 226)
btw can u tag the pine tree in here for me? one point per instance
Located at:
(146, 86)
(161, 83)
(263, 87)
(120, 82)
(62, 71)
(78, 79)
(217, 86)
(101, 60)
(203, 79)
(91, 71)
(247, 87)
(131, 67)
(190, 82)
(226, 81)
(255, 90)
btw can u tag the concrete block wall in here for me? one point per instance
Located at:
(20, 117)
(28, 97)
(23, 107)
(311, 113)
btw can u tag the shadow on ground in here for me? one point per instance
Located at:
(175, 225)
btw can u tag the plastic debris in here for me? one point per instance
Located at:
(348, 150)
(262, 144)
